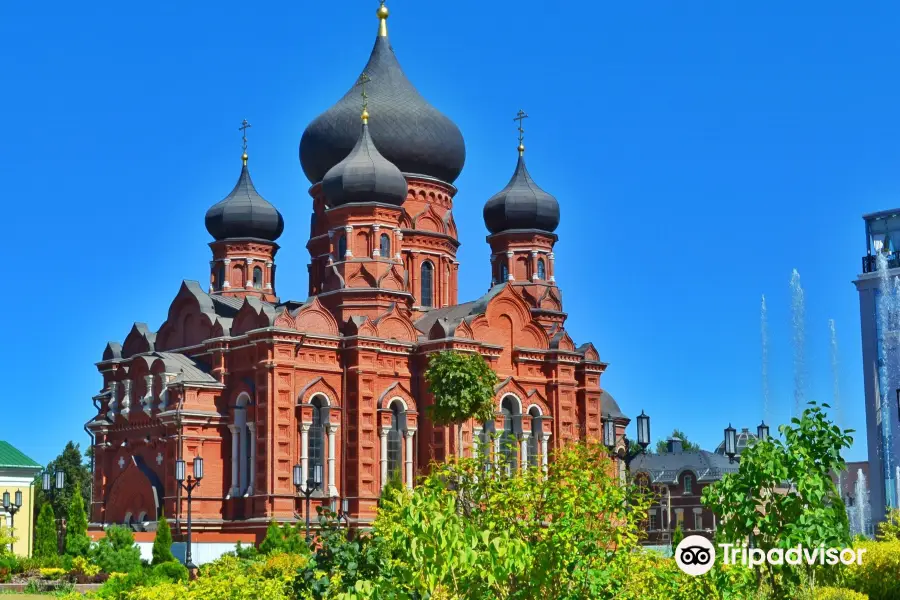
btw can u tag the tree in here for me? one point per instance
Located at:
(78, 474)
(116, 552)
(45, 539)
(77, 541)
(462, 386)
(162, 543)
(677, 536)
(783, 495)
(889, 529)
(662, 446)
(283, 539)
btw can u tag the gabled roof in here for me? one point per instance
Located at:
(454, 315)
(189, 370)
(12, 457)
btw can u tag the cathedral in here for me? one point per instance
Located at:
(255, 384)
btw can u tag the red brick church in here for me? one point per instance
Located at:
(255, 383)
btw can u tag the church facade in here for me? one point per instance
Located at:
(255, 384)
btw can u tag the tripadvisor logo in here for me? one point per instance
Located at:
(696, 555)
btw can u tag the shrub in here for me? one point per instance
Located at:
(172, 571)
(82, 566)
(117, 552)
(9, 565)
(77, 541)
(7, 539)
(119, 585)
(889, 529)
(877, 576)
(283, 539)
(830, 593)
(52, 573)
(45, 538)
(162, 544)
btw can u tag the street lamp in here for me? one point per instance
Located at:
(643, 437)
(313, 483)
(189, 485)
(762, 432)
(343, 513)
(730, 443)
(53, 483)
(12, 509)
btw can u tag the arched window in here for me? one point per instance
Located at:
(395, 440)
(504, 273)
(427, 296)
(342, 247)
(534, 442)
(508, 437)
(220, 276)
(242, 471)
(385, 248)
(257, 278)
(542, 270)
(317, 436)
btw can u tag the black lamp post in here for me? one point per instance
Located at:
(643, 437)
(12, 508)
(313, 483)
(730, 443)
(762, 432)
(343, 513)
(53, 483)
(188, 485)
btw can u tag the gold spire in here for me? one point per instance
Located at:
(363, 79)
(521, 116)
(243, 129)
(382, 13)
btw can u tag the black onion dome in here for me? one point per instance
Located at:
(409, 131)
(244, 214)
(364, 176)
(521, 205)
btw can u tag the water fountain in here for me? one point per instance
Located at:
(861, 512)
(889, 291)
(798, 317)
(764, 333)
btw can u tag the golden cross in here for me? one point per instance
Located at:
(362, 81)
(243, 129)
(521, 116)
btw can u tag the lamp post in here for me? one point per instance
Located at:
(762, 432)
(53, 483)
(343, 513)
(730, 443)
(188, 485)
(643, 437)
(12, 508)
(313, 483)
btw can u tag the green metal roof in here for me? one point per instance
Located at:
(11, 457)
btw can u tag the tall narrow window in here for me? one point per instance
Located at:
(508, 437)
(395, 441)
(257, 278)
(688, 485)
(317, 437)
(504, 274)
(342, 247)
(698, 520)
(220, 276)
(385, 246)
(542, 271)
(427, 296)
(534, 442)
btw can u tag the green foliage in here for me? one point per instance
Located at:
(162, 543)
(879, 574)
(116, 552)
(7, 539)
(172, 571)
(783, 495)
(9, 566)
(283, 539)
(462, 386)
(78, 477)
(830, 593)
(662, 446)
(82, 566)
(244, 552)
(889, 529)
(77, 541)
(677, 536)
(45, 538)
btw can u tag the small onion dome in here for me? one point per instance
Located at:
(244, 213)
(521, 205)
(409, 131)
(364, 176)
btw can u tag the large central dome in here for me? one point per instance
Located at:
(408, 132)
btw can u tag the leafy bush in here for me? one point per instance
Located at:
(52, 573)
(9, 565)
(879, 574)
(7, 539)
(889, 529)
(172, 571)
(162, 543)
(285, 538)
(830, 593)
(85, 567)
(120, 585)
(247, 552)
(117, 552)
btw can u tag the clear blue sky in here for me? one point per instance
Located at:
(700, 151)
